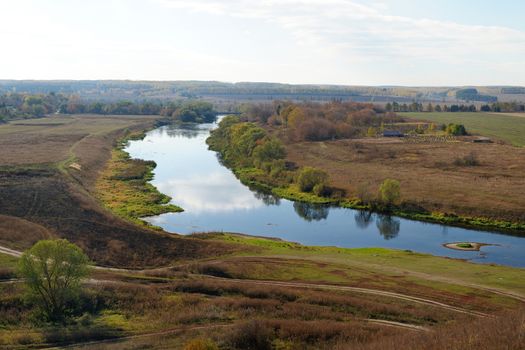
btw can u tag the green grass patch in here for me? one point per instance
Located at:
(8, 261)
(392, 261)
(464, 245)
(124, 188)
(502, 126)
(292, 192)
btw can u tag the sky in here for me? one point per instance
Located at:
(348, 42)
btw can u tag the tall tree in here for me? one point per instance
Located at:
(53, 271)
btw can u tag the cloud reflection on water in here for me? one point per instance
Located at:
(215, 192)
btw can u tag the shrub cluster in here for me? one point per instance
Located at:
(456, 129)
(245, 145)
(317, 122)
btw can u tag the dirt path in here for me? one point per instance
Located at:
(10, 252)
(223, 325)
(357, 290)
(333, 287)
(137, 336)
(426, 276)
(411, 327)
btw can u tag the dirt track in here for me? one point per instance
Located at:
(310, 286)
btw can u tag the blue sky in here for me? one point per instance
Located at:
(351, 42)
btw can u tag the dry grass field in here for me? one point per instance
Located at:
(48, 169)
(282, 295)
(243, 292)
(428, 173)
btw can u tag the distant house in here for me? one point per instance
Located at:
(392, 133)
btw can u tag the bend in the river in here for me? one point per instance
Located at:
(215, 200)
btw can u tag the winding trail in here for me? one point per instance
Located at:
(400, 296)
(10, 252)
(144, 335)
(222, 325)
(368, 291)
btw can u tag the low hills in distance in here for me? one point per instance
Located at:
(111, 90)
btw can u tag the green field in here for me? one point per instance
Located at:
(502, 126)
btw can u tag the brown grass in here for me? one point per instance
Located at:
(504, 332)
(19, 233)
(39, 201)
(427, 173)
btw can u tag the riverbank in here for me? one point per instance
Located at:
(124, 186)
(283, 184)
(246, 176)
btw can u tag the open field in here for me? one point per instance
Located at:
(48, 172)
(285, 293)
(238, 291)
(508, 127)
(428, 173)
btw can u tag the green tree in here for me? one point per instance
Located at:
(456, 129)
(53, 271)
(371, 132)
(269, 150)
(389, 192)
(309, 178)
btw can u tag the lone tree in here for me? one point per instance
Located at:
(53, 271)
(389, 192)
(309, 178)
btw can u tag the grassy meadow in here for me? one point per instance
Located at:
(233, 290)
(505, 126)
(272, 294)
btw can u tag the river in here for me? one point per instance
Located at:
(215, 200)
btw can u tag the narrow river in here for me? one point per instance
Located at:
(215, 200)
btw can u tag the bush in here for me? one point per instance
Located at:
(469, 160)
(269, 150)
(310, 177)
(315, 129)
(464, 245)
(254, 335)
(389, 192)
(321, 190)
(456, 129)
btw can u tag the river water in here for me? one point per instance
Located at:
(215, 200)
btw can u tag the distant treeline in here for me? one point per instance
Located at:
(507, 107)
(474, 95)
(116, 90)
(21, 106)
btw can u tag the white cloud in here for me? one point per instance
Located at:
(207, 194)
(296, 41)
(339, 27)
